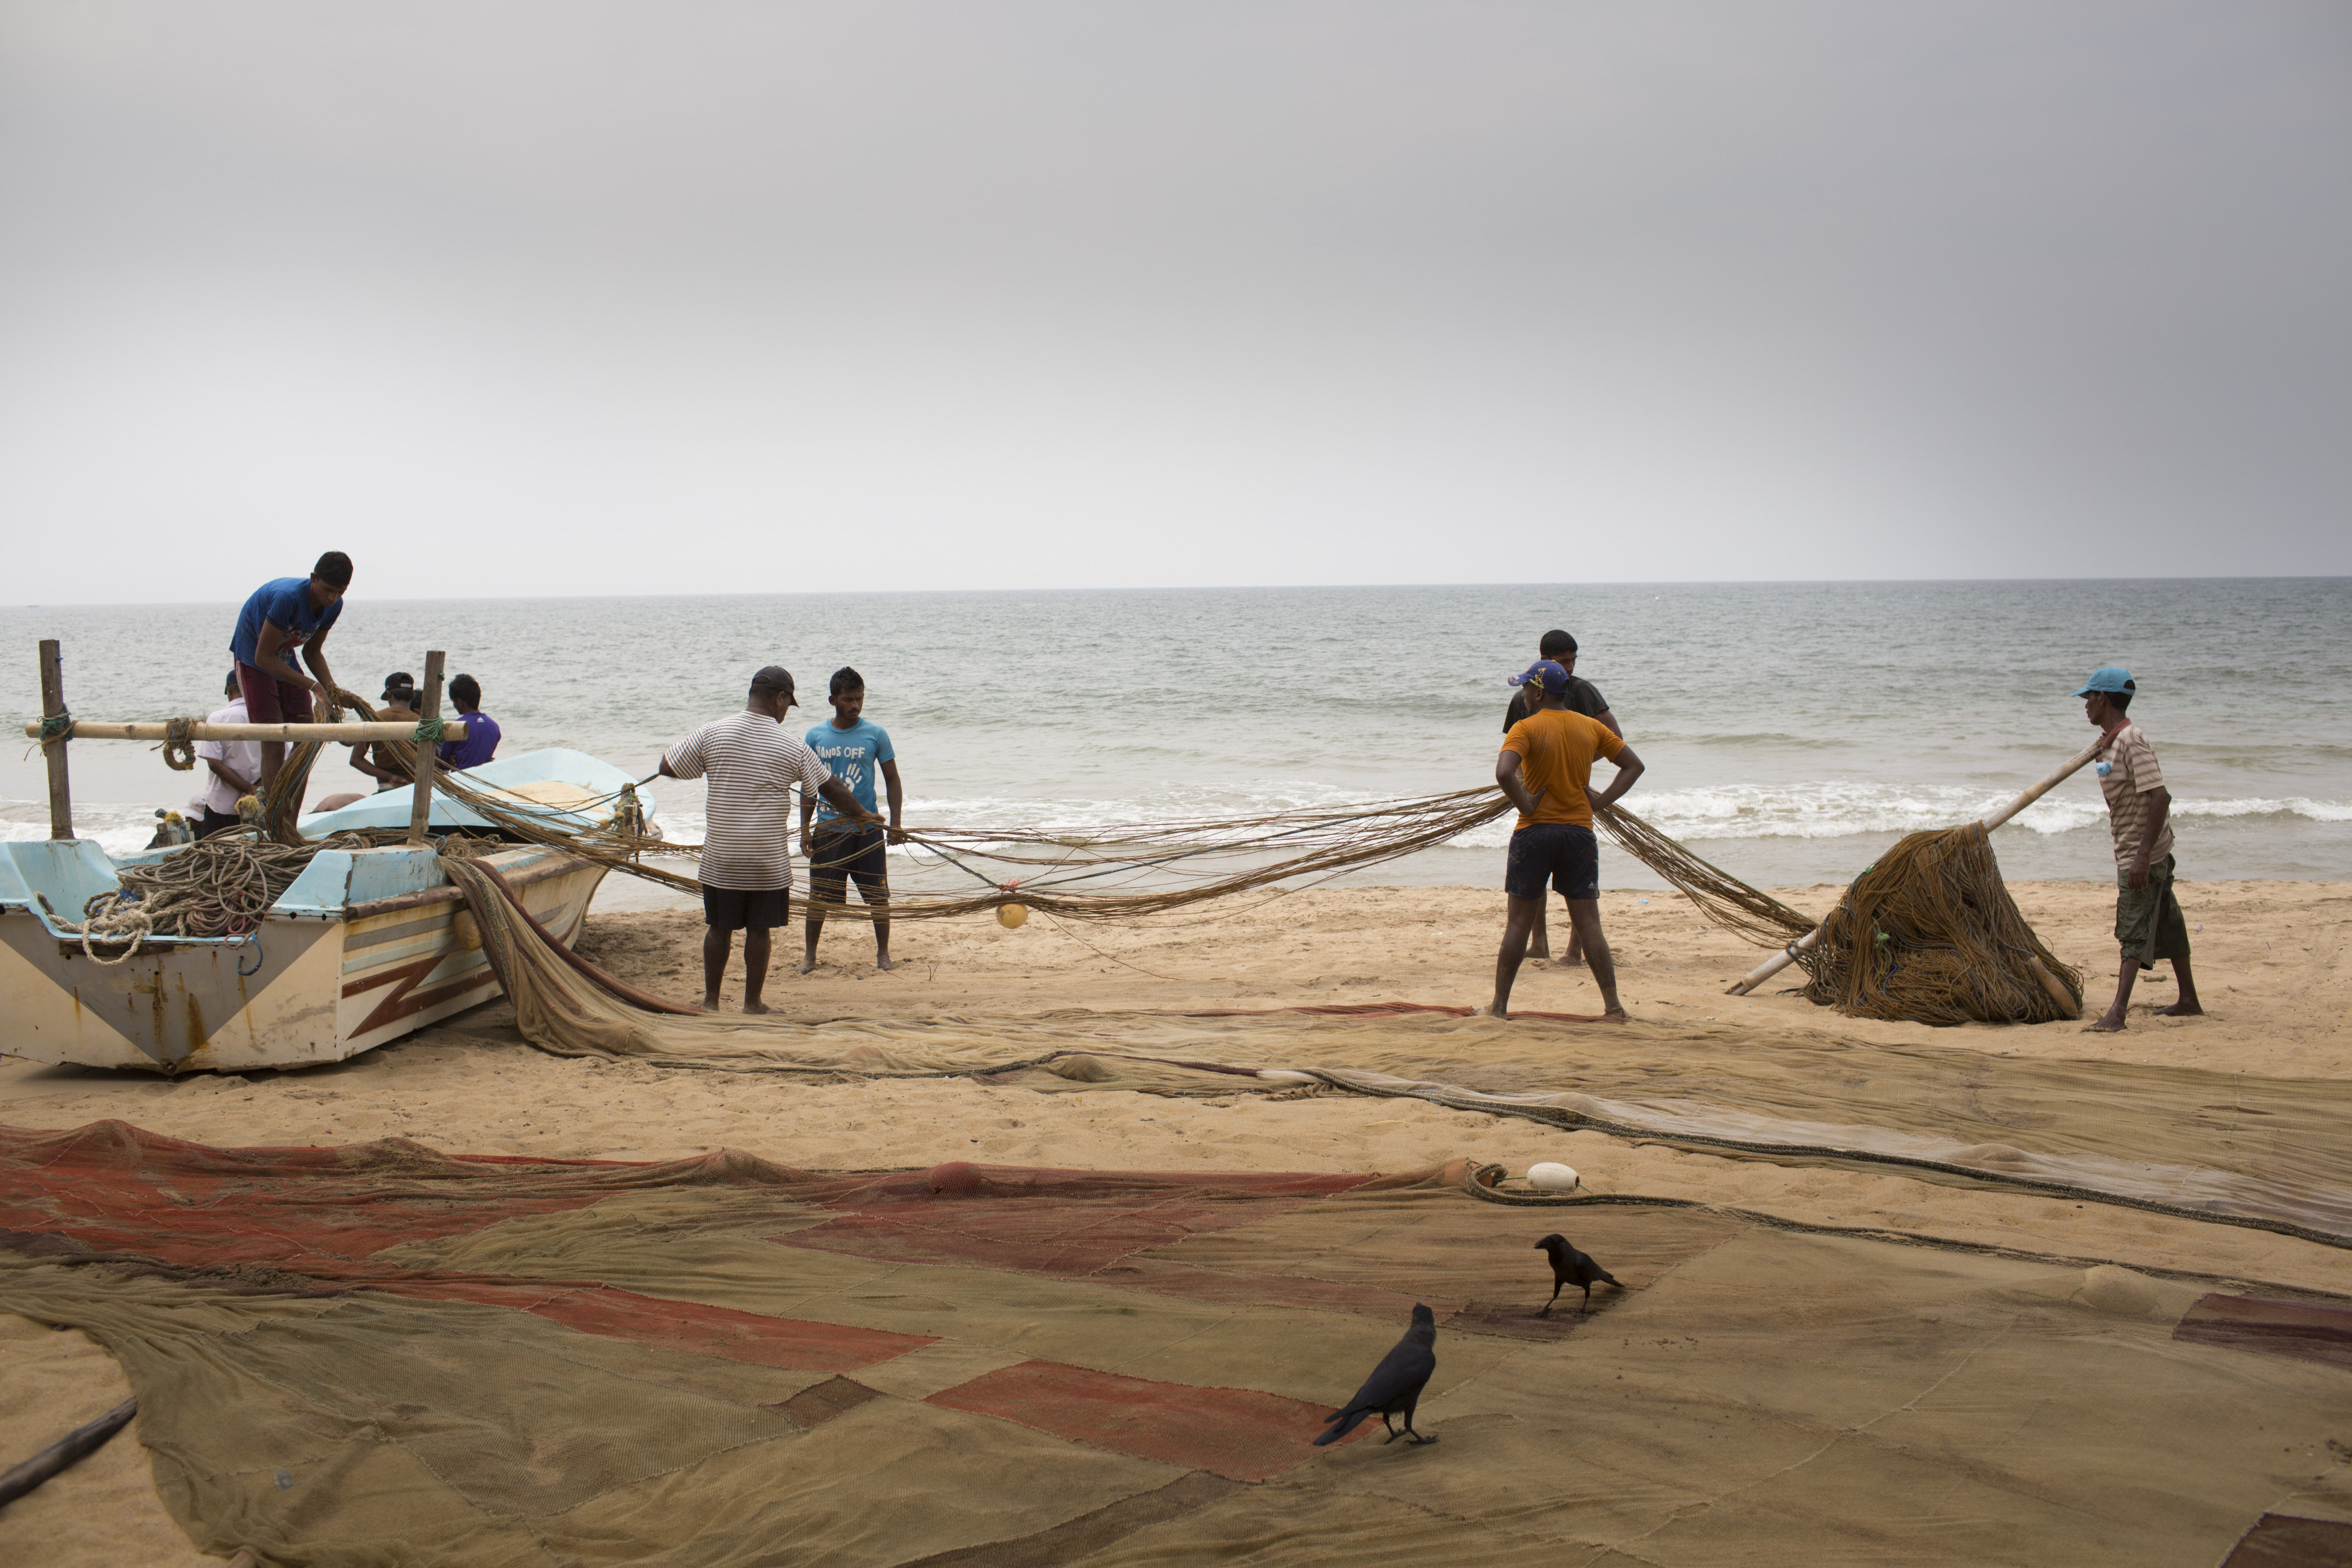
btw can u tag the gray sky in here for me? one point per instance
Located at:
(588, 298)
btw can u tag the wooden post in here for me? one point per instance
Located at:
(53, 704)
(420, 813)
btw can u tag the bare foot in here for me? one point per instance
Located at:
(1490, 1012)
(884, 961)
(807, 966)
(2181, 1011)
(709, 1002)
(757, 1007)
(2106, 1024)
(1618, 1013)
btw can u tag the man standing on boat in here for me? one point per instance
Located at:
(753, 762)
(1582, 696)
(282, 615)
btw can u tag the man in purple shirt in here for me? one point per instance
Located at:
(481, 742)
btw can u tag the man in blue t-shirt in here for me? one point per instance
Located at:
(856, 750)
(284, 614)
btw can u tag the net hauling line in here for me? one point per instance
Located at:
(1928, 934)
(1311, 841)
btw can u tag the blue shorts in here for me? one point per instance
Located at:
(840, 853)
(1567, 856)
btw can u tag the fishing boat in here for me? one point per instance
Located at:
(366, 946)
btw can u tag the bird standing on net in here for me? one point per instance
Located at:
(1569, 1267)
(1395, 1387)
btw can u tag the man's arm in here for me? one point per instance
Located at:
(266, 657)
(1606, 718)
(897, 794)
(808, 815)
(366, 764)
(314, 653)
(838, 797)
(1628, 768)
(229, 776)
(1506, 774)
(2159, 812)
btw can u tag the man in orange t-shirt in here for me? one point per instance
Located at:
(1545, 767)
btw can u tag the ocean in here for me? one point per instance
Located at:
(1791, 731)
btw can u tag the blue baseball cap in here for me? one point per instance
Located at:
(2112, 678)
(1548, 674)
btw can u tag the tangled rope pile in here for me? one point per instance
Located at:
(218, 887)
(1930, 935)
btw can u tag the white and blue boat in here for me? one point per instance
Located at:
(365, 946)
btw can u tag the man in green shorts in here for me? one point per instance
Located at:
(2149, 923)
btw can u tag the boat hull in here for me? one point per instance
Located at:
(314, 984)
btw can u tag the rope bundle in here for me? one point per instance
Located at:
(218, 887)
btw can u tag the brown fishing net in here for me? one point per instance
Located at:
(382, 1355)
(1929, 934)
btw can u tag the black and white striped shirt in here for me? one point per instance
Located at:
(752, 763)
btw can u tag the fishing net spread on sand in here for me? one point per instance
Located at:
(385, 1355)
(2270, 1153)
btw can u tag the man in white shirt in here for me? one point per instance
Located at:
(232, 768)
(753, 762)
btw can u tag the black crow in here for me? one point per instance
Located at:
(1569, 1267)
(1395, 1387)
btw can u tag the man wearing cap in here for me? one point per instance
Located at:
(2148, 922)
(284, 614)
(1546, 768)
(1582, 696)
(753, 762)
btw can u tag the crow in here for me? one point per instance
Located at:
(1569, 1267)
(1395, 1387)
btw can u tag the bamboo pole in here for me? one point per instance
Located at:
(53, 750)
(68, 1450)
(1788, 956)
(420, 811)
(334, 734)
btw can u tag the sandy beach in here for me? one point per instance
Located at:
(2271, 965)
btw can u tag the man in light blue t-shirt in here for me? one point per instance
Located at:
(855, 749)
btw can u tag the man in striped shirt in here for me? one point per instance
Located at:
(753, 762)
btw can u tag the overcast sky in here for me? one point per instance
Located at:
(586, 298)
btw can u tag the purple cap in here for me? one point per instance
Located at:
(1548, 674)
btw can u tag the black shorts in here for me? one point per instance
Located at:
(842, 854)
(215, 822)
(1562, 853)
(744, 909)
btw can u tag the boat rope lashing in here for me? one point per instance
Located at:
(428, 732)
(178, 746)
(57, 725)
